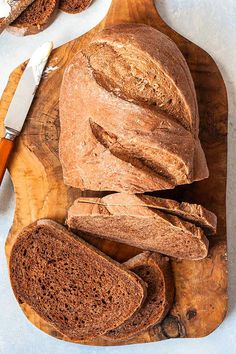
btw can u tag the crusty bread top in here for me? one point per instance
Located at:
(128, 115)
(70, 284)
(176, 230)
(35, 18)
(155, 270)
(163, 73)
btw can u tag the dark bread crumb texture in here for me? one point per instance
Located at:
(74, 6)
(36, 15)
(70, 284)
(32, 16)
(17, 7)
(155, 270)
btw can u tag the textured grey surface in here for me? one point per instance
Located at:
(212, 25)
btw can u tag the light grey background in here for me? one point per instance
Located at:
(212, 25)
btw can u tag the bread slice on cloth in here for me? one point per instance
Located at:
(70, 284)
(37, 17)
(74, 6)
(10, 10)
(172, 228)
(128, 114)
(155, 270)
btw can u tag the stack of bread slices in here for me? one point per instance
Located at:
(26, 17)
(129, 125)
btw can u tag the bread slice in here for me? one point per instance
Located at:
(176, 230)
(37, 17)
(74, 6)
(193, 213)
(70, 284)
(150, 140)
(11, 10)
(155, 270)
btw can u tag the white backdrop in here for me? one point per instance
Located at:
(212, 25)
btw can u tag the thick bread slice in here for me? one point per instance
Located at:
(128, 112)
(37, 17)
(74, 6)
(125, 218)
(16, 7)
(70, 284)
(155, 270)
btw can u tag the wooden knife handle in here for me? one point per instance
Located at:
(6, 147)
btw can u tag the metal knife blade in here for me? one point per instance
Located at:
(21, 102)
(26, 89)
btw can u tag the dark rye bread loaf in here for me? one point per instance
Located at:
(70, 284)
(16, 8)
(155, 270)
(37, 17)
(177, 230)
(74, 6)
(129, 115)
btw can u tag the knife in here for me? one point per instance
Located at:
(21, 102)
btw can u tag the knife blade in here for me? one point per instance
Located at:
(21, 102)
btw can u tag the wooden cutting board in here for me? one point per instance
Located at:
(201, 286)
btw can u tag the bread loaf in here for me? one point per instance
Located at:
(11, 10)
(177, 230)
(155, 270)
(128, 114)
(70, 284)
(37, 17)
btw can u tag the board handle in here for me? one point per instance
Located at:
(6, 146)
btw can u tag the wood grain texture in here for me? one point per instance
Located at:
(201, 286)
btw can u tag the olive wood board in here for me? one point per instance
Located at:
(201, 286)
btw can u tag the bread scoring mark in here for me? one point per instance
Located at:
(146, 89)
(110, 142)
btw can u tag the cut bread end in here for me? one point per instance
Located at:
(37, 17)
(17, 7)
